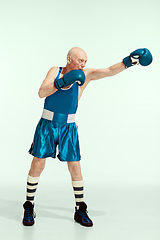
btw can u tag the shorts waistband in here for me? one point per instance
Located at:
(58, 117)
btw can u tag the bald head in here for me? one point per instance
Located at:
(76, 51)
(76, 58)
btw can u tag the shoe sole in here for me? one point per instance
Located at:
(84, 225)
(28, 223)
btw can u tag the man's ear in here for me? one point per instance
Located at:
(68, 59)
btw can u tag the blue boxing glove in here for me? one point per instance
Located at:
(140, 56)
(69, 78)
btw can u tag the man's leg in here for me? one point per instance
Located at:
(77, 181)
(78, 187)
(36, 169)
(37, 166)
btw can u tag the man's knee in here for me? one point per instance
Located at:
(74, 166)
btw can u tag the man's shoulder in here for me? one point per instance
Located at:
(54, 69)
(88, 73)
(88, 70)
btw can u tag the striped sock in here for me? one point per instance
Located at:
(32, 183)
(78, 187)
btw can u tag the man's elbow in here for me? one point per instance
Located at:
(40, 93)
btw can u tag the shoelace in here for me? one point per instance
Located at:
(28, 214)
(84, 214)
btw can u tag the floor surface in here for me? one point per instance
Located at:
(120, 209)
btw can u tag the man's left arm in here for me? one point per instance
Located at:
(95, 74)
(140, 56)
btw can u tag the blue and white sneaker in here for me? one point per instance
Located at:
(81, 216)
(29, 214)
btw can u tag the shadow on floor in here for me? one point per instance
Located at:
(13, 210)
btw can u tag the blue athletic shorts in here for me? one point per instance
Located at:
(50, 134)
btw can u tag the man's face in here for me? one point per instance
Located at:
(78, 61)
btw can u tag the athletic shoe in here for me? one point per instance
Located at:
(81, 215)
(29, 214)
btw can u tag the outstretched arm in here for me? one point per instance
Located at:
(95, 74)
(140, 56)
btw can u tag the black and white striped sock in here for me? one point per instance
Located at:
(78, 188)
(32, 183)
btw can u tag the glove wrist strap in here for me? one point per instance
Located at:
(127, 62)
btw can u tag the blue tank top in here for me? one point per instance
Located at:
(64, 100)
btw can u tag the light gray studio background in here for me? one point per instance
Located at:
(118, 118)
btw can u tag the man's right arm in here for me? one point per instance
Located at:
(48, 87)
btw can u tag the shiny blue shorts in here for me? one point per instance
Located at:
(50, 134)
